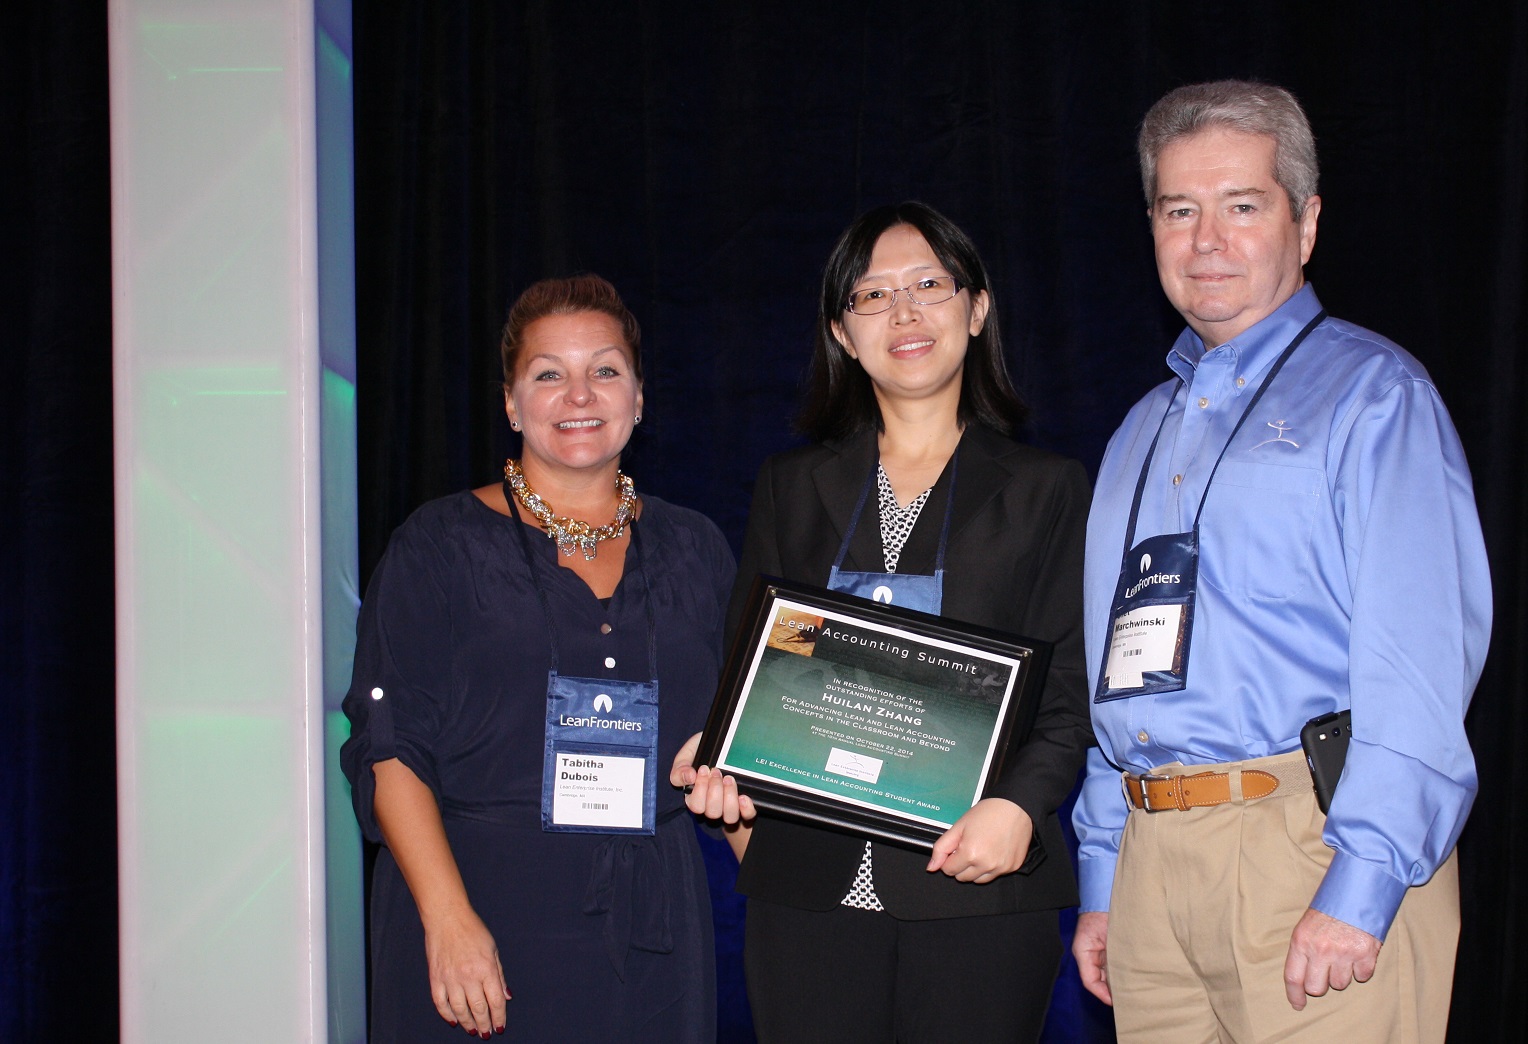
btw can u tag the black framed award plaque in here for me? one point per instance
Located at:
(883, 722)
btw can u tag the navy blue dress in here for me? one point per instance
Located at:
(602, 937)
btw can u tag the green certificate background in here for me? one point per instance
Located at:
(786, 729)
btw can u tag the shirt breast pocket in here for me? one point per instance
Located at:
(1255, 535)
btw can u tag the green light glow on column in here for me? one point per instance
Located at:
(234, 418)
(341, 594)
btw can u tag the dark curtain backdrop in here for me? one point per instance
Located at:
(58, 883)
(704, 157)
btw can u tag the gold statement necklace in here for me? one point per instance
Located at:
(572, 533)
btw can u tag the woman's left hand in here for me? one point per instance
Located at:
(713, 793)
(990, 840)
(682, 772)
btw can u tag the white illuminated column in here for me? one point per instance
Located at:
(234, 442)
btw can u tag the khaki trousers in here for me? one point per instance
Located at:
(1203, 906)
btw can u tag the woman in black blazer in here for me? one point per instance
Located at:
(910, 398)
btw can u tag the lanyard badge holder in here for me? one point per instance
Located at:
(600, 762)
(599, 774)
(909, 591)
(1152, 613)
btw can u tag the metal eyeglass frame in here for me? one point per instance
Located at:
(908, 290)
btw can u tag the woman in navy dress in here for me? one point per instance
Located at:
(504, 899)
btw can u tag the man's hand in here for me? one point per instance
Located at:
(1324, 953)
(1090, 949)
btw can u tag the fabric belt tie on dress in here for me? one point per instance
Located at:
(1152, 793)
(629, 886)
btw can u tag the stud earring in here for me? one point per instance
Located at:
(639, 419)
(514, 425)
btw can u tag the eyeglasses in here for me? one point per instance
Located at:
(931, 290)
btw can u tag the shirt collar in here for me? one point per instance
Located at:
(1255, 349)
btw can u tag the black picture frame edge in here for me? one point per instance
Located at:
(1015, 726)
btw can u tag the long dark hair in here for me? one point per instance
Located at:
(840, 400)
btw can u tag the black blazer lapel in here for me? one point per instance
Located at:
(982, 473)
(839, 479)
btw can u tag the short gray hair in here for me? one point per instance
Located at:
(1252, 108)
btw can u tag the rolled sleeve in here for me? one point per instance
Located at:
(400, 684)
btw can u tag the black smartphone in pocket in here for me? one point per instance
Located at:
(1325, 742)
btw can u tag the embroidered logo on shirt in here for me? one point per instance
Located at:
(1280, 427)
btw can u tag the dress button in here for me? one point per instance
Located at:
(1177, 480)
(604, 628)
(1241, 382)
(1203, 402)
(610, 661)
(1141, 736)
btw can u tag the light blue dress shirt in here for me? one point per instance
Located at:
(1341, 565)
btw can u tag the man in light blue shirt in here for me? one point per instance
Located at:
(1284, 529)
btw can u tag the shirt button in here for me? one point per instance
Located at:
(1177, 480)
(1203, 402)
(610, 661)
(1141, 736)
(604, 628)
(1241, 382)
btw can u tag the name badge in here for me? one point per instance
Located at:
(1152, 619)
(600, 770)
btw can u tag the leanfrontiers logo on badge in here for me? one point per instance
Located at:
(602, 702)
(1154, 578)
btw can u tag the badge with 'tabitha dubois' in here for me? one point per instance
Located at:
(599, 774)
(1151, 620)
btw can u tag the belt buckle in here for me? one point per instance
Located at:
(1146, 793)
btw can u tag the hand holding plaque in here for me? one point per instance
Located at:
(707, 793)
(990, 840)
(886, 723)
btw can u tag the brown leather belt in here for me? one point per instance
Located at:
(1181, 793)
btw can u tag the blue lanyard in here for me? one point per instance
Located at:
(944, 531)
(1140, 486)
